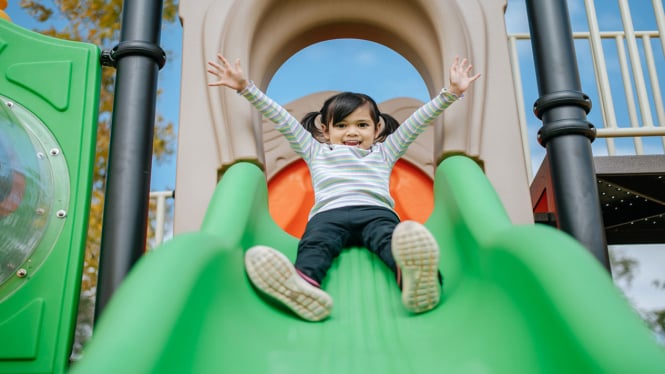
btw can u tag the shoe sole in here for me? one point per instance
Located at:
(417, 255)
(272, 273)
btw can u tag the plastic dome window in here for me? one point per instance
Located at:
(34, 192)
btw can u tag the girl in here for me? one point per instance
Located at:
(350, 171)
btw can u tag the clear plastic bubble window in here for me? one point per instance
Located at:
(34, 192)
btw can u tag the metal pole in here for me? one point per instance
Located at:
(138, 59)
(566, 133)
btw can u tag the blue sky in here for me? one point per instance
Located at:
(383, 74)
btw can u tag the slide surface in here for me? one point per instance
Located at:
(516, 299)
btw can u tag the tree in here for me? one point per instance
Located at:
(98, 22)
(624, 269)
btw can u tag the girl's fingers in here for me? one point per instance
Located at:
(224, 64)
(215, 65)
(222, 59)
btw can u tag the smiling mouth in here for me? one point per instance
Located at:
(352, 143)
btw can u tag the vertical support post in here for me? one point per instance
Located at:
(566, 134)
(138, 59)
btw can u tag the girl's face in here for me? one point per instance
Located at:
(355, 130)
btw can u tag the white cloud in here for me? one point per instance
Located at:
(366, 58)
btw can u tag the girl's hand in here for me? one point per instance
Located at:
(228, 75)
(460, 80)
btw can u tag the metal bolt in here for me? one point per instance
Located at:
(10, 104)
(61, 213)
(40, 155)
(21, 273)
(54, 152)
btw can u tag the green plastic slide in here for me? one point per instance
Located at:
(516, 299)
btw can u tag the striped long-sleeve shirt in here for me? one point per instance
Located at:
(345, 175)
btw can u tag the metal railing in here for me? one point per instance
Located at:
(641, 92)
(161, 199)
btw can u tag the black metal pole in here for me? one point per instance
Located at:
(566, 133)
(138, 59)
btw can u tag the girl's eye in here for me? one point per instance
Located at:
(363, 125)
(339, 125)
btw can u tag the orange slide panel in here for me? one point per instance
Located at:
(290, 195)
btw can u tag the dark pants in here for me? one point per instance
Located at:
(328, 232)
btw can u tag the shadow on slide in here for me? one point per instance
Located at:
(516, 299)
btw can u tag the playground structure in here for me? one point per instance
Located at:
(222, 129)
(507, 306)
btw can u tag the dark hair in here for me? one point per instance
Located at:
(339, 106)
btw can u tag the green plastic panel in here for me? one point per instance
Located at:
(517, 299)
(49, 96)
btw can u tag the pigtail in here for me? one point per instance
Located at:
(309, 123)
(390, 124)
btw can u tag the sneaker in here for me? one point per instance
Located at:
(416, 254)
(272, 273)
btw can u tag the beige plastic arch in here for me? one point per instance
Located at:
(218, 128)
